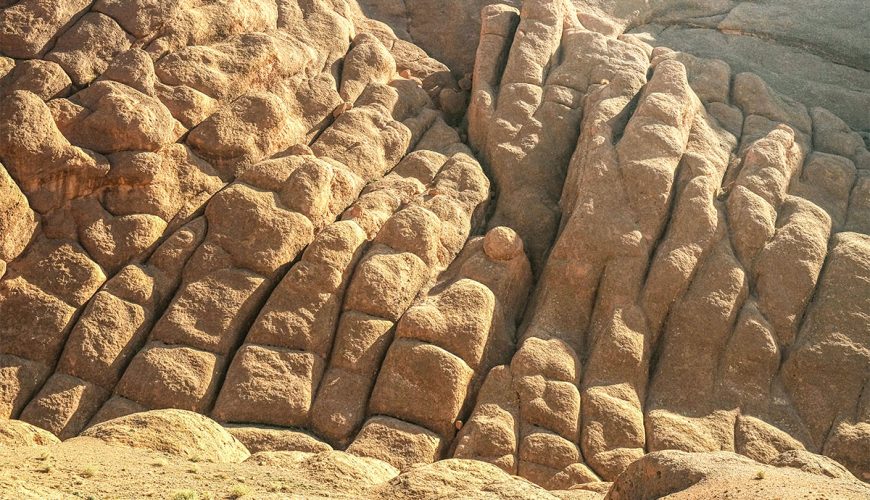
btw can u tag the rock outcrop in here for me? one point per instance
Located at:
(197, 458)
(676, 474)
(174, 432)
(576, 243)
(681, 304)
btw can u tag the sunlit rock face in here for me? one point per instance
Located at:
(575, 235)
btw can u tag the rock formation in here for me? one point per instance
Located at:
(588, 242)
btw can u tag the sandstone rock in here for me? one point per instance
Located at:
(77, 276)
(141, 18)
(109, 117)
(172, 183)
(464, 478)
(115, 241)
(18, 222)
(46, 79)
(269, 385)
(414, 230)
(368, 61)
(340, 406)
(815, 341)
(583, 233)
(223, 294)
(696, 474)
(38, 306)
(21, 378)
(384, 141)
(259, 439)
(548, 358)
(491, 431)
(92, 354)
(17, 433)
(50, 169)
(126, 306)
(502, 244)
(85, 50)
(134, 68)
(116, 407)
(814, 464)
(385, 283)
(29, 27)
(421, 21)
(165, 376)
(362, 339)
(755, 98)
(334, 467)
(526, 84)
(174, 432)
(812, 75)
(762, 442)
(303, 311)
(846, 446)
(457, 320)
(187, 105)
(253, 127)
(404, 390)
(222, 68)
(64, 405)
(542, 455)
(398, 443)
(279, 235)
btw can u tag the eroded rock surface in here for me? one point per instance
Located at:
(175, 432)
(573, 237)
(692, 265)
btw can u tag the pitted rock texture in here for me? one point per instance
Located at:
(689, 294)
(809, 50)
(200, 198)
(559, 253)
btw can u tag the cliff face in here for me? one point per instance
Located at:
(558, 253)
(704, 287)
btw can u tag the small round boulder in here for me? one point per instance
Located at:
(502, 243)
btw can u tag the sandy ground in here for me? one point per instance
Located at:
(88, 468)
